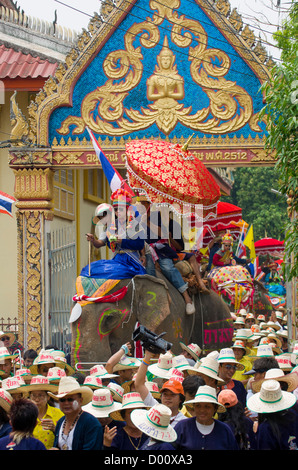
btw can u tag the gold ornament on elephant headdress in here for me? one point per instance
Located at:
(227, 237)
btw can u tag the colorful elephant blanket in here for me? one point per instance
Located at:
(234, 283)
(89, 290)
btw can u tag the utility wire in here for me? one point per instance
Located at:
(175, 50)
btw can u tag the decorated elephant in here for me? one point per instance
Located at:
(100, 328)
(239, 290)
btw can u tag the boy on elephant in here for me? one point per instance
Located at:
(126, 262)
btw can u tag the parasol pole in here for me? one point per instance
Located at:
(89, 257)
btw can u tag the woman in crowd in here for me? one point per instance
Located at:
(77, 429)
(48, 415)
(277, 421)
(235, 417)
(203, 431)
(127, 437)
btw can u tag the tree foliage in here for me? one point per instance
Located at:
(266, 210)
(281, 113)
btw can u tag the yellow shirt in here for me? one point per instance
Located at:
(45, 436)
(239, 373)
(185, 411)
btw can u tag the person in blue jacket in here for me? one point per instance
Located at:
(203, 431)
(122, 236)
(77, 429)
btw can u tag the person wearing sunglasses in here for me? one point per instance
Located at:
(227, 368)
(9, 341)
(77, 429)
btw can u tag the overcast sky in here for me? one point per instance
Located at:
(262, 15)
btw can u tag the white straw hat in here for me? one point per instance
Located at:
(127, 363)
(226, 355)
(39, 382)
(271, 398)
(14, 385)
(5, 354)
(5, 399)
(43, 358)
(271, 324)
(208, 366)
(93, 382)
(206, 394)
(163, 367)
(100, 371)
(55, 374)
(284, 361)
(130, 400)
(193, 349)
(155, 422)
(116, 390)
(69, 386)
(181, 363)
(102, 404)
(264, 350)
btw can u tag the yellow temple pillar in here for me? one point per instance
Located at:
(34, 194)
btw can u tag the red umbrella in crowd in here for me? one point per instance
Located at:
(169, 173)
(269, 246)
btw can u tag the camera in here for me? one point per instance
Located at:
(151, 341)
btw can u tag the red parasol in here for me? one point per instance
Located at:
(269, 246)
(229, 217)
(168, 173)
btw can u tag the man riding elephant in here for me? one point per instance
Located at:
(224, 256)
(165, 249)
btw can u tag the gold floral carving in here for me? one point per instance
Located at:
(33, 221)
(230, 105)
(34, 188)
(30, 279)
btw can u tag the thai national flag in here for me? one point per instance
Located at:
(6, 203)
(241, 250)
(114, 178)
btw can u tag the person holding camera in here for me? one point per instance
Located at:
(172, 393)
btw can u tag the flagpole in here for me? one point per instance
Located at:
(240, 239)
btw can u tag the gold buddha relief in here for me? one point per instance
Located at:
(164, 88)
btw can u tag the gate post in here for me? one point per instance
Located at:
(34, 194)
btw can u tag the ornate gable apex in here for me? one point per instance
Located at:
(58, 90)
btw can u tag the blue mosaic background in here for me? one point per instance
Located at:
(93, 76)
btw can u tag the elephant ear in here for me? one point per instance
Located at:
(152, 300)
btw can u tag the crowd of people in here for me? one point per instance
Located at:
(242, 397)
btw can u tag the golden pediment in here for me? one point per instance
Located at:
(104, 112)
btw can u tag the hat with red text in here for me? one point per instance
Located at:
(155, 422)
